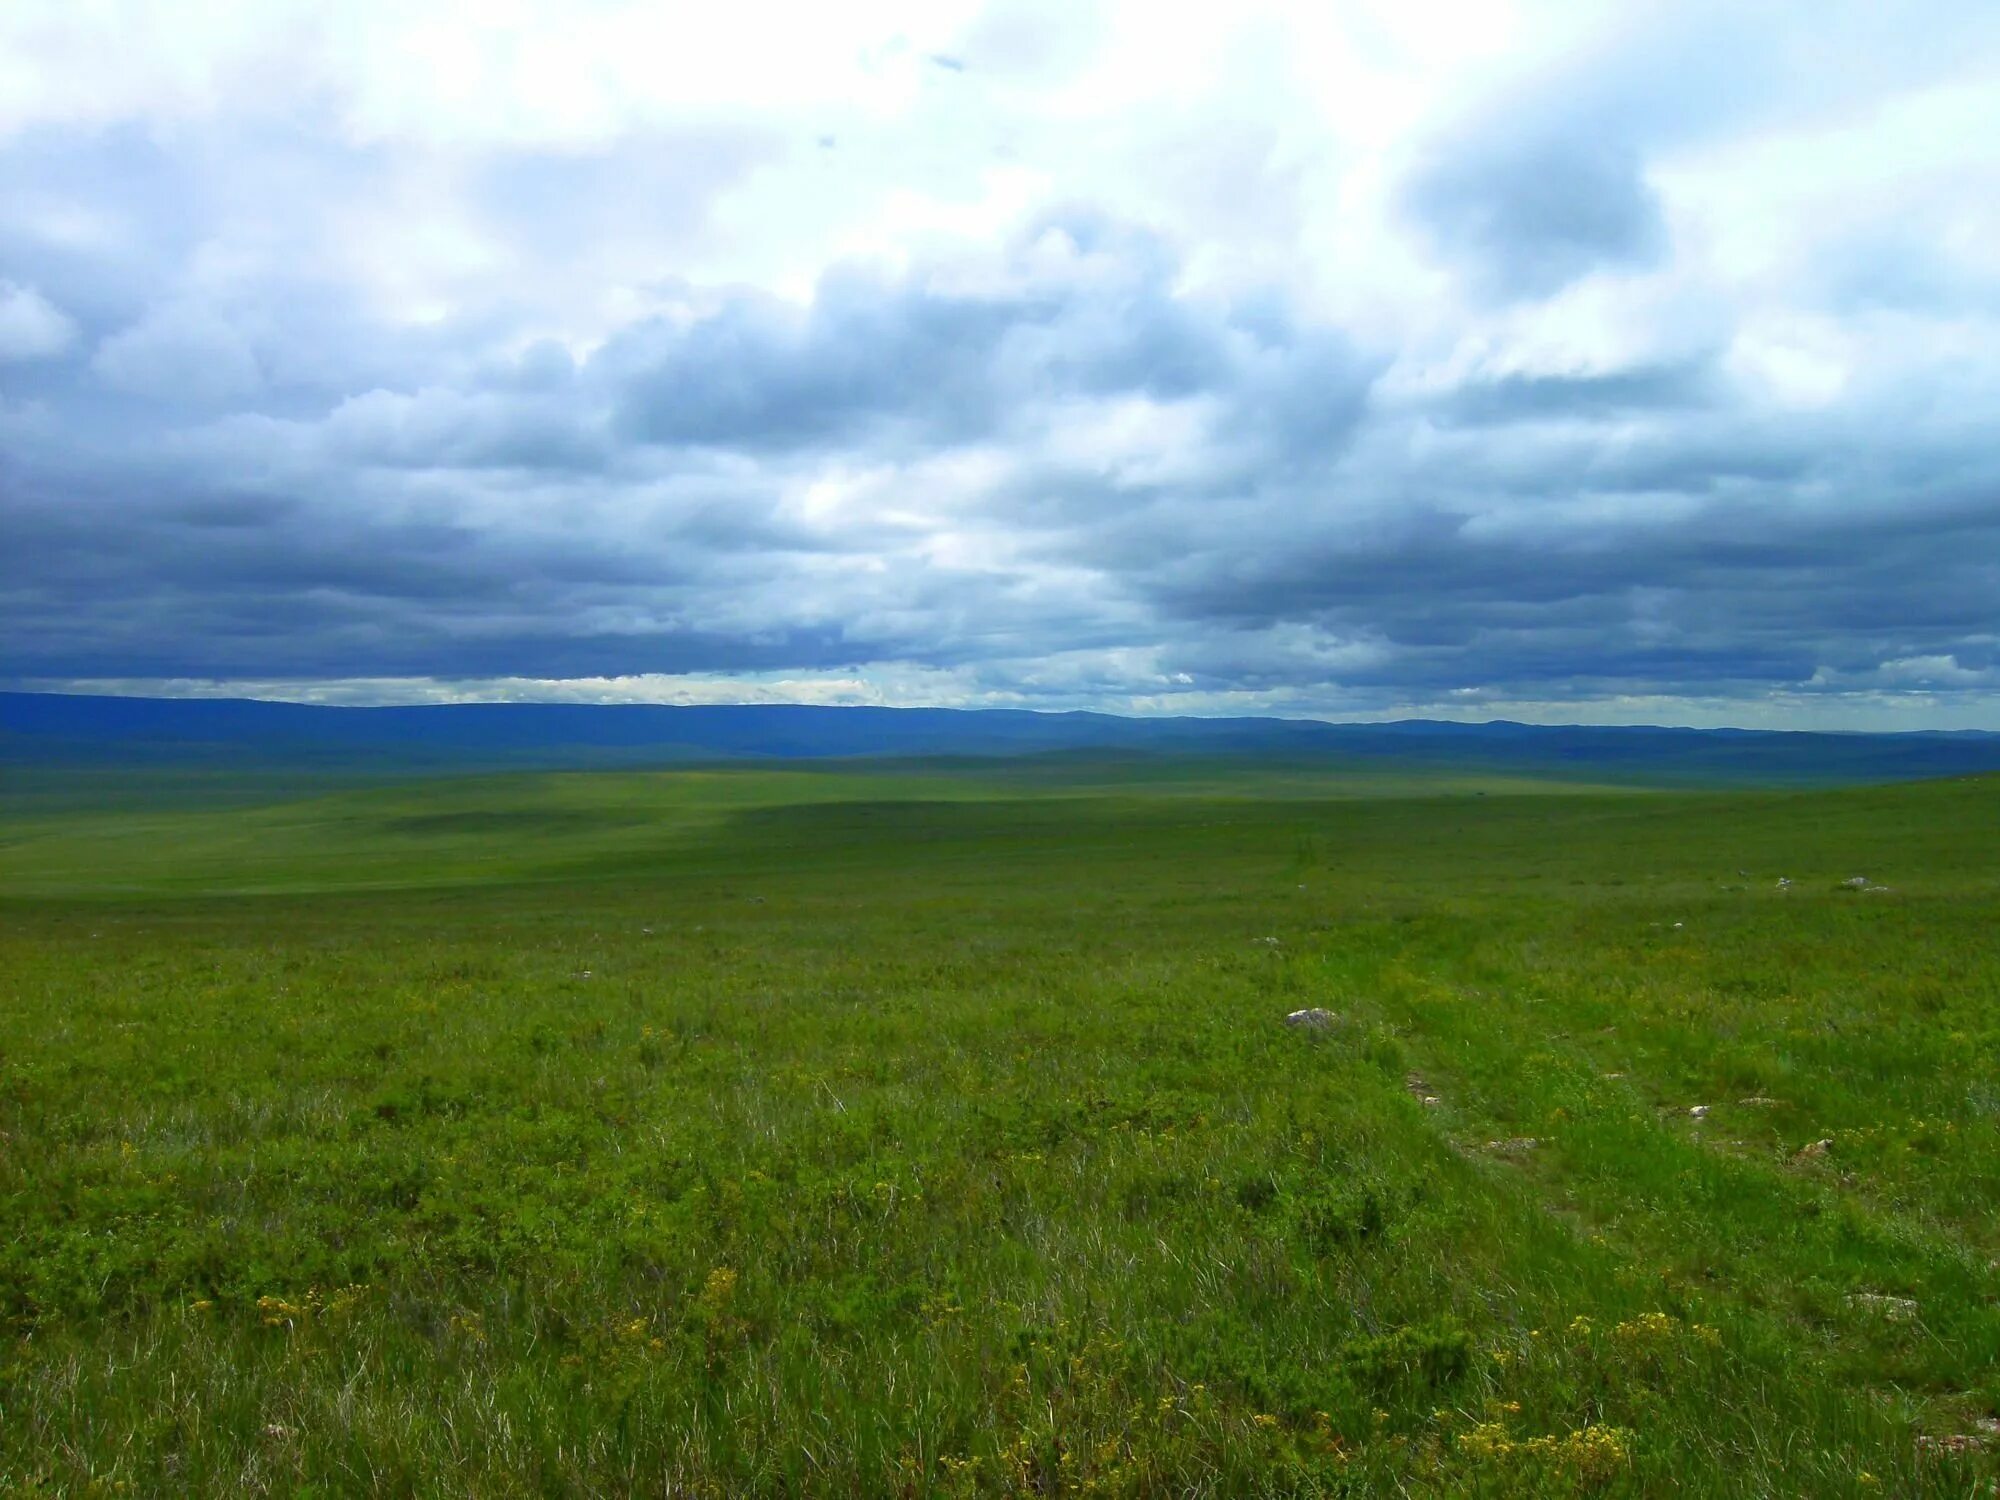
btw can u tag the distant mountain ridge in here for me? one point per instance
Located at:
(47, 728)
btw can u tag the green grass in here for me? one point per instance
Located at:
(926, 1130)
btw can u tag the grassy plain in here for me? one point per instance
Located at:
(936, 1130)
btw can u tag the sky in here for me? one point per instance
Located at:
(1355, 360)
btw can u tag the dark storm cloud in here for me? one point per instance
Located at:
(911, 359)
(760, 374)
(445, 429)
(1713, 596)
(1530, 215)
(246, 585)
(1529, 398)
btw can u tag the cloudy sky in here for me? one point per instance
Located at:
(1363, 359)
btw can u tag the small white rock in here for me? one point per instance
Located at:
(1698, 1111)
(1894, 1309)
(1313, 1018)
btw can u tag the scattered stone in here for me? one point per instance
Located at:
(1988, 1425)
(1890, 1309)
(1954, 1444)
(1862, 884)
(1313, 1018)
(1760, 1101)
(1813, 1150)
(1679, 925)
(1519, 1145)
(1784, 882)
(1698, 1111)
(1268, 942)
(1414, 1085)
(1431, 1101)
(1614, 1075)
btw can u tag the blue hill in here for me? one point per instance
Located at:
(59, 729)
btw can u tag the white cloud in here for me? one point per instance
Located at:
(31, 327)
(1281, 356)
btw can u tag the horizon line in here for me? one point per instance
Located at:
(898, 708)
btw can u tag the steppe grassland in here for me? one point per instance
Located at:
(747, 1132)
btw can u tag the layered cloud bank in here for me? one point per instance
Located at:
(1618, 364)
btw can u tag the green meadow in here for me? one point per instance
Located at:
(934, 1129)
